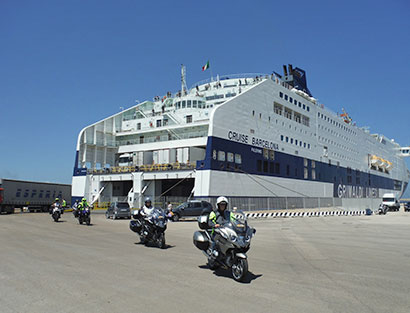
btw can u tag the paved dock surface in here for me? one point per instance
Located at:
(320, 264)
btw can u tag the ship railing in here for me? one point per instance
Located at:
(156, 167)
(256, 77)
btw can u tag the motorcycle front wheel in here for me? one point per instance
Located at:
(161, 241)
(88, 220)
(212, 264)
(80, 220)
(240, 269)
(56, 217)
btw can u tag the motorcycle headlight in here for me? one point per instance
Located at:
(247, 238)
(233, 238)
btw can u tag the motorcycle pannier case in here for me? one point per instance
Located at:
(203, 222)
(201, 240)
(135, 226)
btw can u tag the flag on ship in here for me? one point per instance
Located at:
(205, 67)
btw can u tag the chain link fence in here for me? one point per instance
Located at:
(266, 203)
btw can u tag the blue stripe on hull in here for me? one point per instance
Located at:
(287, 166)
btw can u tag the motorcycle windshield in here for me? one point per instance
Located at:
(239, 222)
(158, 216)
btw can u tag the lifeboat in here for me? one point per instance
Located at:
(376, 161)
(389, 165)
(383, 163)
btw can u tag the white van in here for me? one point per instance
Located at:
(390, 199)
(125, 159)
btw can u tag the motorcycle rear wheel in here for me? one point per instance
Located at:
(240, 269)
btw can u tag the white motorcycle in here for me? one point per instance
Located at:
(232, 240)
(56, 212)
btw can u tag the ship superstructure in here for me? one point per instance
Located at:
(255, 138)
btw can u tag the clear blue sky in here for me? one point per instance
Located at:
(67, 64)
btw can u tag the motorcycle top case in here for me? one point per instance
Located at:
(135, 226)
(201, 240)
(203, 222)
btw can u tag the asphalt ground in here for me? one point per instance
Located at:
(311, 264)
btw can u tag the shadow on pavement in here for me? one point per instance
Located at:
(152, 245)
(227, 273)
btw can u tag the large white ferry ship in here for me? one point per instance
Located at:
(261, 140)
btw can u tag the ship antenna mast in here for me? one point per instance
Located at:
(184, 88)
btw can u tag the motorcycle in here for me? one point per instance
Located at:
(151, 229)
(56, 212)
(84, 216)
(232, 242)
(383, 209)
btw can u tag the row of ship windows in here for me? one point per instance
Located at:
(294, 101)
(275, 168)
(164, 122)
(292, 141)
(290, 114)
(228, 95)
(228, 156)
(190, 103)
(335, 123)
(334, 133)
(329, 141)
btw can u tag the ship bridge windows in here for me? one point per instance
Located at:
(214, 97)
(190, 104)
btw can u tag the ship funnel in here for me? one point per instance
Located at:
(285, 70)
(296, 78)
(290, 69)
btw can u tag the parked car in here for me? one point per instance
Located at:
(406, 206)
(191, 208)
(118, 210)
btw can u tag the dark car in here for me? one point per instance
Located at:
(117, 210)
(191, 208)
(406, 206)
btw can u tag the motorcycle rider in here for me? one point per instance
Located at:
(82, 205)
(55, 204)
(147, 208)
(217, 218)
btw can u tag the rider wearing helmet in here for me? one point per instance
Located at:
(83, 204)
(147, 208)
(219, 217)
(55, 204)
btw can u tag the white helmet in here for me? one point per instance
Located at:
(222, 199)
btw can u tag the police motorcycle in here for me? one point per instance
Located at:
(56, 211)
(383, 209)
(232, 242)
(84, 215)
(151, 229)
